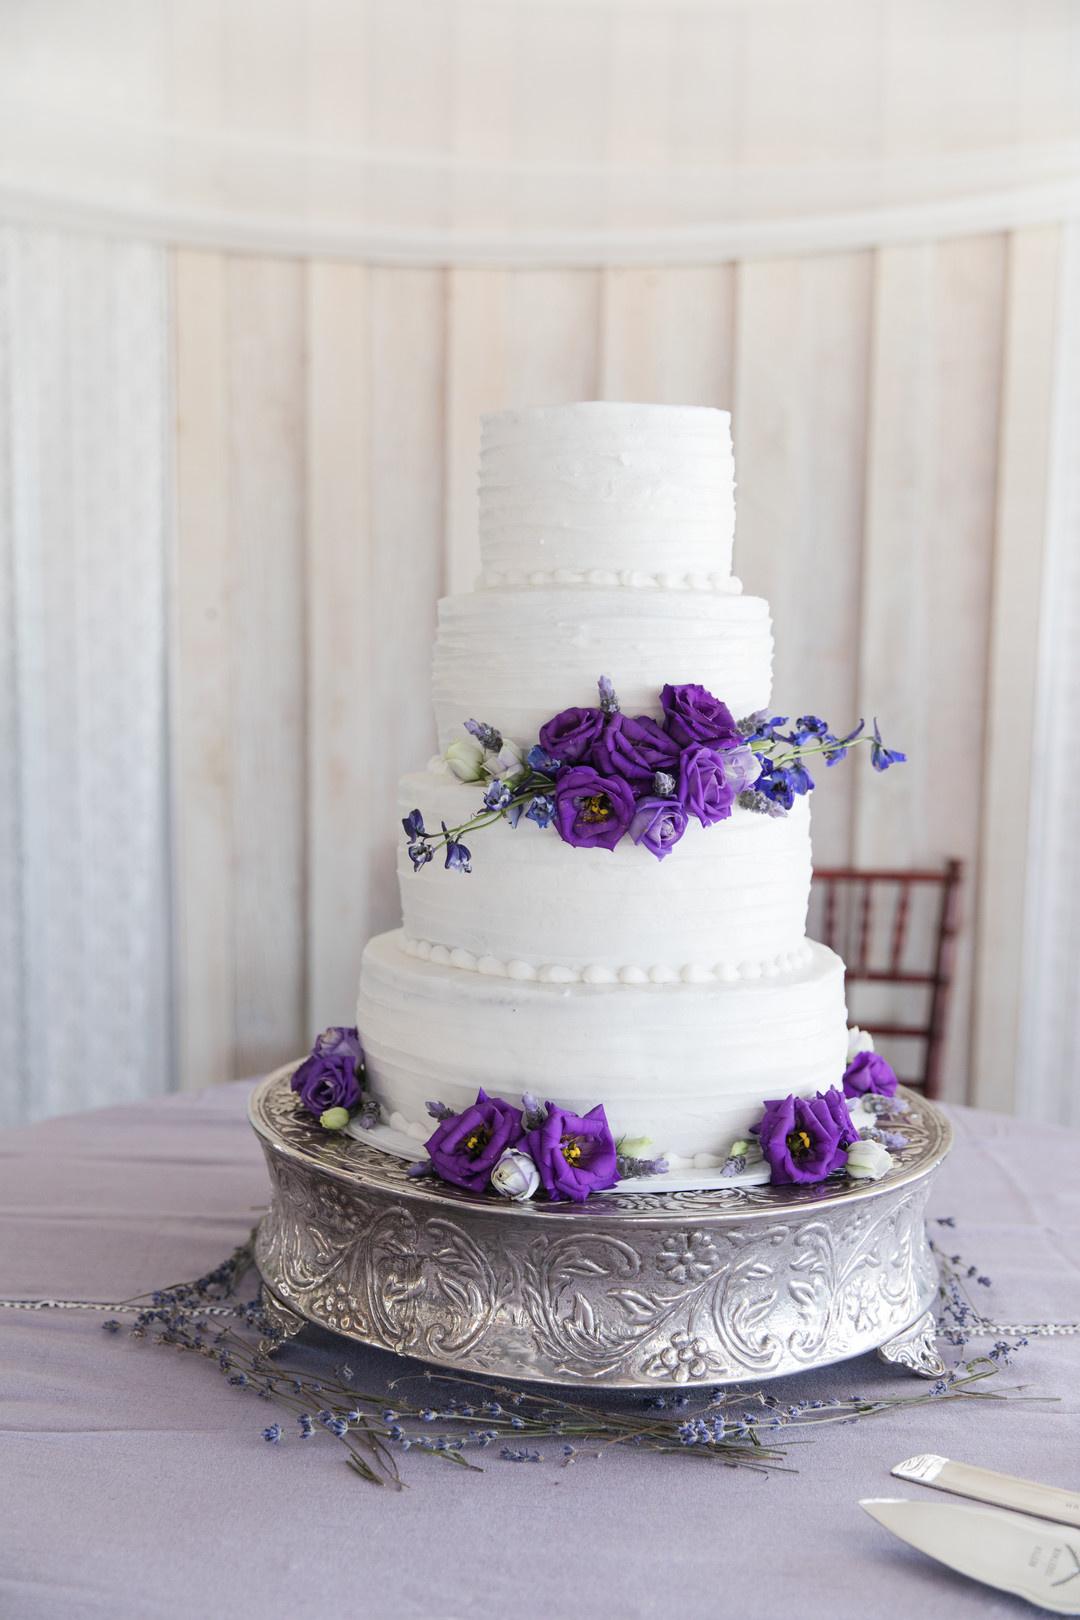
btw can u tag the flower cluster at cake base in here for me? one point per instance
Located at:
(598, 775)
(538, 1148)
(805, 1140)
(330, 1082)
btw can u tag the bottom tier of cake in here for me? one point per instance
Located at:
(686, 1066)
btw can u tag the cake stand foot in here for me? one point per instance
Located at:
(916, 1349)
(282, 1323)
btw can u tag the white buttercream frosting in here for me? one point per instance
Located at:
(686, 1065)
(728, 903)
(515, 658)
(621, 488)
(680, 994)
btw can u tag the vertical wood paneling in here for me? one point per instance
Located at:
(201, 727)
(932, 457)
(475, 383)
(551, 336)
(266, 448)
(803, 331)
(405, 410)
(239, 681)
(343, 653)
(668, 335)
(1027, 416)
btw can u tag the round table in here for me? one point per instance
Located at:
(137, 1483)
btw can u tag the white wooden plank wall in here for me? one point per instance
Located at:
(327, 443)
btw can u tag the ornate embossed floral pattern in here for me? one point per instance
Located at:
(685, 1357)
(687, 1257)
(420, 1269)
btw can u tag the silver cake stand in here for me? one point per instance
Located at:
(625, 1291)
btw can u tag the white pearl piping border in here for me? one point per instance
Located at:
(632, 578)
(595, 973)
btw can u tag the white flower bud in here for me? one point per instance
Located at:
(858, 1041)
(515, 1176)
(508, 764)
(465, 758)
(868, 1161)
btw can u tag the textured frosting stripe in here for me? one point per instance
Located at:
(730, 901)
(515, 658)
(688, 1066)
(616, 487)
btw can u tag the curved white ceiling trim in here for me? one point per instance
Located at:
(719, 242)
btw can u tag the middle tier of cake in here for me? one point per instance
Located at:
(728, 904)
(687, 1066)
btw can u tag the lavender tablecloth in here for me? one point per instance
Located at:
(135, 1482)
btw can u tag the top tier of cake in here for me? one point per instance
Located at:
(601, 494)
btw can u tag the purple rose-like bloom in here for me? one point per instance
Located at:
(574, 1154)
(695, 716)
(658, 824)
(570, 735)
(869, 1072)
(466, 1147)
(592, 811)
(329, 1078)
(800, 1139)
(635, 749)
(838, 1111)
(704, 790)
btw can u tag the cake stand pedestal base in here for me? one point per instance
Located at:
(630, 1290)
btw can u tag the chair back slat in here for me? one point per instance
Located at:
(900, 918)
(830, 914)
(865, 923)
(884, 957)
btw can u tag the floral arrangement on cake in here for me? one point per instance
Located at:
(541, 1148)
(597, 775)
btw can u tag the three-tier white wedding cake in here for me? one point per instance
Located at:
(681, 993)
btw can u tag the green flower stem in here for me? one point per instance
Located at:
(538, 784)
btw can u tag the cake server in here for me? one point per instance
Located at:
(1027, 1557)
(997, 1490)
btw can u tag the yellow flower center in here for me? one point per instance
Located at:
(798, 1144)
(597, 807)
(571, 1149)
(476, 1141)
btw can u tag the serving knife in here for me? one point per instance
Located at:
(996, 1490)
(1025, 1556)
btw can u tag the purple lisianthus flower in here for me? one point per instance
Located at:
(466, 1147)
(574, 1154)
(869, 1072)
(695, 716)
(704, 790)
(329, 1078)
(742, 767)
(592, 811)
(838, 1110)
(658, 824)
(570, 735)
(800, 1139)
(634, 749)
